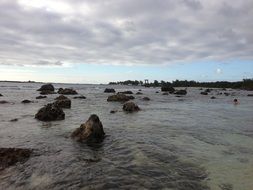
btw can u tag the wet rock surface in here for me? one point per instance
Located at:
(50, 112)
(109, 90)
(10, 156)
(63, 103)
(67, 91)
(91, 131)
(130, 107)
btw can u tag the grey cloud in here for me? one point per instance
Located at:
(126, 32)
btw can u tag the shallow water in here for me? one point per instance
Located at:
(184, 143)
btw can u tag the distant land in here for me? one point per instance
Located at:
(246, 84)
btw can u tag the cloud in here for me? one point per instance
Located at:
(124, 32)
(218, 71)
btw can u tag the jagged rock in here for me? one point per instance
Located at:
(26, 101)
(109, 90)
(10, 156)
(118, 98)
(213, 97)
(146, 98)
(3, 102)
(50, 112)
(126, 92)
(63, 103)
(80, 97)
(41, 97)
(91, 130)
(61, 97)
(203, 93)
(130, 107)
(169, 89)
(67, 91)
(139, 93)
(181, 92)
(46, 87)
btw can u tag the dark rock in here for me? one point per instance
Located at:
(131, 97)
(46, 92)
(213, 97)
(146, 98)
(226, 94)
(165, 93)
(140, 90)
(113, 111)
(46, 87)
(250, 95)
(41, 97)
(208, 90)
(203, 93)
(80, 97)
(10, 156)
(50, 112)
(109, 90)
(126, 92)
(139, 93)
(63, 103)
(157, 92)
(67, 91)
(26, 101)
(219, 93)
(3, 102)
(169, 89)
(61, 97)
(1, 95)
(91, 130)
(118, 98)
(14, 120)
(130, 107)
(181, 92)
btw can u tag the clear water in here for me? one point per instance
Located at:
(189, 142)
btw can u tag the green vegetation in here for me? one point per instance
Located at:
(246, 84)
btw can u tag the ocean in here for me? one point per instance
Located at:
(179, 143)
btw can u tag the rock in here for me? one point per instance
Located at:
(181, 92)
(41, 97)
(208, 90)
(165, 93)
(3, 102)
(130, 107)
(203, 93)
(91, 130)
(118, 98)
(226, 94)
(146, 98)
(126, 92)
(139, 93)
(1, 95)
(10, 156)
(140, 90)
(61, 97)
(169, 89)
(50, 112)
(113, 111)
(46, 92)
(250, 95)
(63, 103)
(109, 90)
(213, 97)
(80, 97)
(67, 91)
(14, 120)
(131, 97)
(157, 92)
(26, 101)
(46, 87)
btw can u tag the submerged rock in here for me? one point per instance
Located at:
(41, 97)
(157, 92)
(63, 103)
(250, 95)
(169, 89)
(46, 87)
(50, 112)
(118, 98)
(46, 92)
(213, 97)
(146, 98)
(14, 120)
(80, 97)
(126, 92)
(26, 101)
(113, 111)
(165, 93)
(4, 102)
(203, 93)
(91, 130)
(1, 95)
(226, 94)
(181, 92)
(67, 91)
(130, 107)
(109, 90)
(61, 97)
(10, 156)
(139, 93)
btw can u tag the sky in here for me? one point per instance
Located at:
(94, 41)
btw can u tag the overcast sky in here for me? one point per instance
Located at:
(137, 38)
